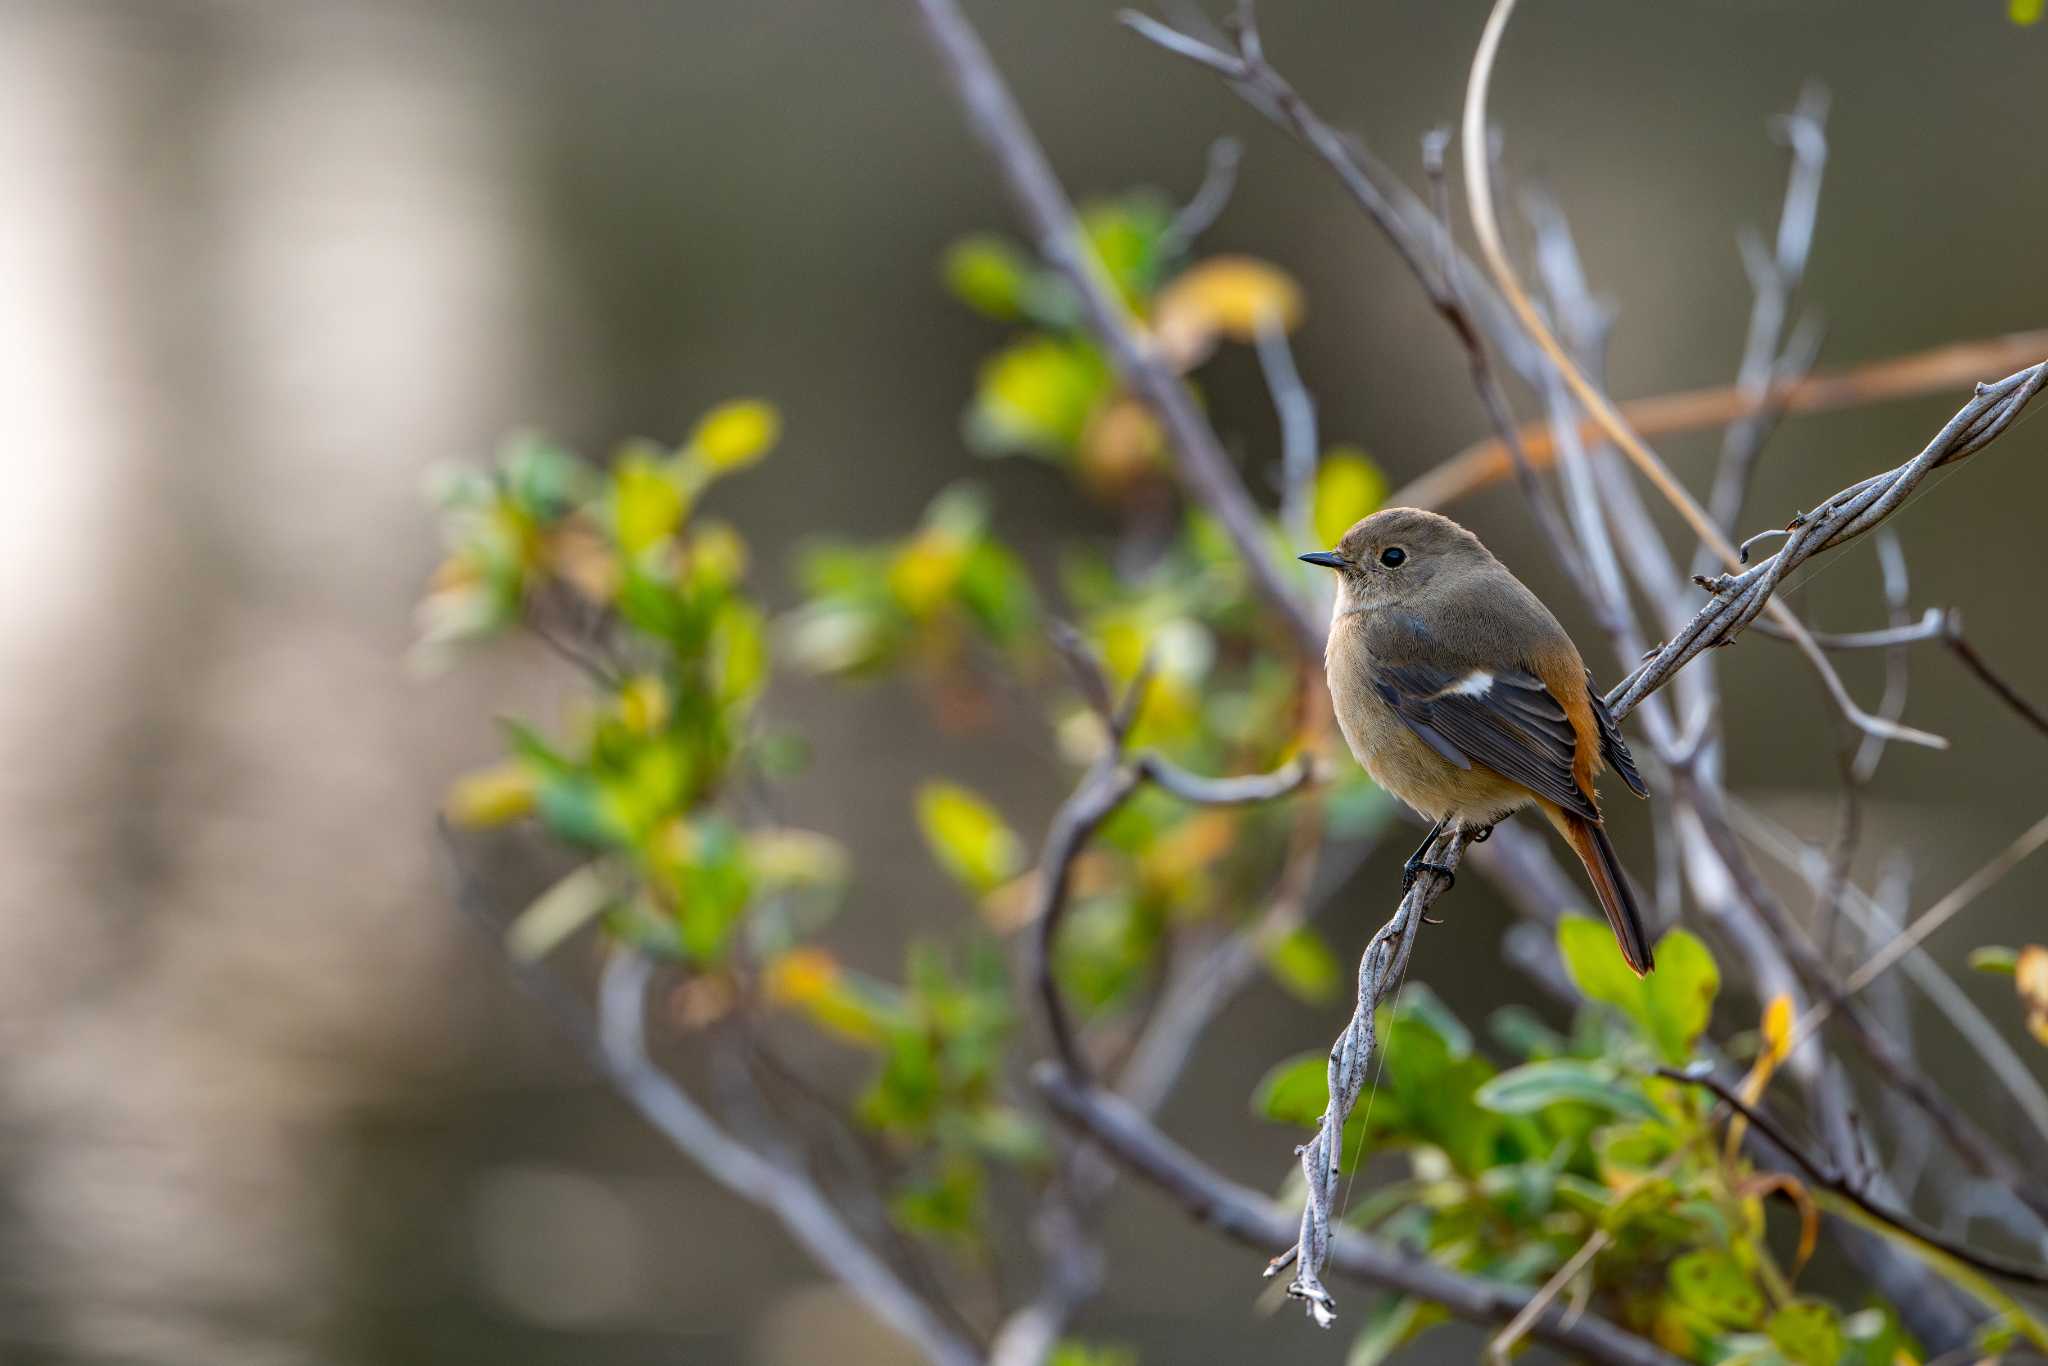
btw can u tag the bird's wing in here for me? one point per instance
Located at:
(1612, 745)
(1506, 720)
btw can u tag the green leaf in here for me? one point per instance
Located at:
(1295, 1091)
(1712, 1284)
(1538, 1085)
(1996, 958)
(1303, 964)
(1522, 1032)
(1680, 994)
(1419, 1003)
(1037, 395)
(1807, 1331)
(2026, 11)
(1670, 1007)
(1390, 1324)
(968, 837)
(1596, 966)
(987, 274)
(1348, 487)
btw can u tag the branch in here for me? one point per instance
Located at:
(1479, 190)
(1250, 1218)
(1915, 374)
(1379, 970)
(616, 1046)
(1828, 1178)
(1204, 467)
(1739, 598)
(1775, 276)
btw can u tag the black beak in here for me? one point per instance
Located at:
(1328, 559)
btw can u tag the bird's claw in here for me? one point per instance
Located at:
(1415, 868)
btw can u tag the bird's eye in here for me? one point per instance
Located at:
(1393, 557)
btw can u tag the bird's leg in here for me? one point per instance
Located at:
(1415, 866)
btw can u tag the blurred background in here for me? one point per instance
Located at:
(264, 1097)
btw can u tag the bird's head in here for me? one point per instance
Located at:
(1395, 554)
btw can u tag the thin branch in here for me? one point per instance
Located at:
(1296, 409)
(1825, 1176)
(1963, 650)
(1379, 970)
(1479, 191)
(1250, 1218)
(1739, 598)
(1894, 1067)
(1933, 625)
(1211, 197)
(1775, 276)
(1203, 465)
(1874, 917)
(615, 1045)
(1916, 374)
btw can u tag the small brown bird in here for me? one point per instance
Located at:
(1461, 695)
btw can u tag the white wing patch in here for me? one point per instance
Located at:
(1475, 684)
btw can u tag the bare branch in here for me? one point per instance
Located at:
(1204, 466)
(1379, 970)
(1478, 189)
(616, 1046)
(1211, 197)
(1249, 1217)
(1960, 645)
(1775, 276)
(1915, 374)
(1739, 598)
(1825, 1176)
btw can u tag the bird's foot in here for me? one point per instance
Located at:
(1416, 867)
(1479, 836)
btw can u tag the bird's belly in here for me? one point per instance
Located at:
(1403, 763)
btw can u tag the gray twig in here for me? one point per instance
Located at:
(1769, 365)
(1203, 465)
(1379, 970)
(1739, 598)
(1249, 1217)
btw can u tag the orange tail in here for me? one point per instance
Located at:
(1591, 844)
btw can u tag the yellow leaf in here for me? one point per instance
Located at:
(648, 503)
(968, 836)
(800, 977)
(924, 572)
(2026, 11)
(717, 553)
(1777, 1028)
(1224, 297)
(2030, 979)
(643, 704)
(492, 796)
(736, 434)
(1348, 487)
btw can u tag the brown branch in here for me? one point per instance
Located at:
(1963, 650)
(1913, 375)
(1740, 598)
(1203, 466)
(1825, 1176)
(1248, 1217)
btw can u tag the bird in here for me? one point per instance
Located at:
(1459, 692)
